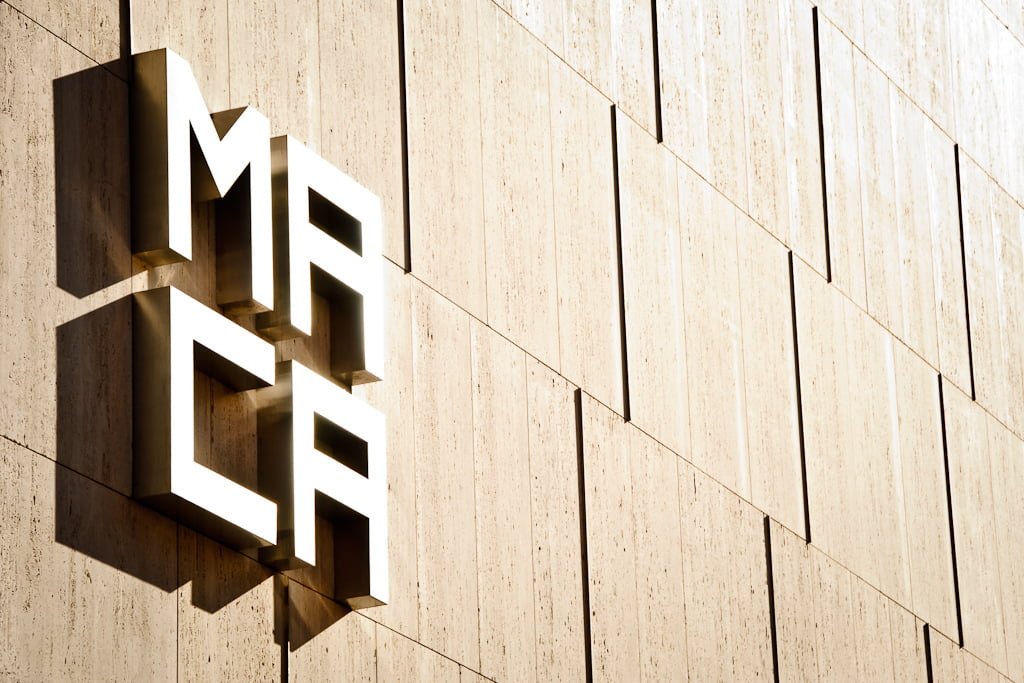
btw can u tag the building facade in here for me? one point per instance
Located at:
(703, 355)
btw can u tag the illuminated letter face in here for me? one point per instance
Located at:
(174, 335)
(325, 219)
(317, 438)
(281, 208)
(170, 174)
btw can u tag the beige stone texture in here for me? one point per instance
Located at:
(394, 396)
(987, 62)
(877, 191)
(902, 232)
(445, 508)
(873, 445)
(555, 510)
(1011, 15)
(445, 156)
(714, 334)
(987, 285)
(739, 346)
(833, 626)
(724, 582)
(611, 550)
(589, 335)
(836, 652)
(92, 28)
(995, 282)
(871, 624)
(921, 479)
(882, 628)
(772, 427)
(925, 56)
(276, 69)
(985, 475)
(702, 91)
(842, 162)
(512, 314)
(503, 522)
(65, 354)
(888, 166)
(781, 120)
(806, 213)
(761, 66)
(400, 660)
(658, 549)
(952, 664)
(912, 47)
(740, 107)
(612, 46)
(88, 593)
(522, 290)
(909, 660)
(360, 130)
(847, 16)
(796, 619)
(912, 44)
(821, 325)
(542, 18)
(345, 644)
(883, 34)
(975, 528)
(652, 286)
(673, 563)
(1007, 461)
(225, 613)
(930, 246)
(197, 30)
(470, 676)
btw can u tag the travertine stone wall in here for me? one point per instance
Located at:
(705, 341)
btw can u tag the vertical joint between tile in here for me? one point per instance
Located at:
(403, 112)
(928, 653)
(949, 513)
(657, 71)
(281, 618)
(771, 596)
(799, 400)
(963, 267)
(821, 144)
(619, 268)
(584, 554)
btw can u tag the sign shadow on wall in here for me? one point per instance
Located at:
(95, 513)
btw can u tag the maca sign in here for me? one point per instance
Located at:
(287, 223)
